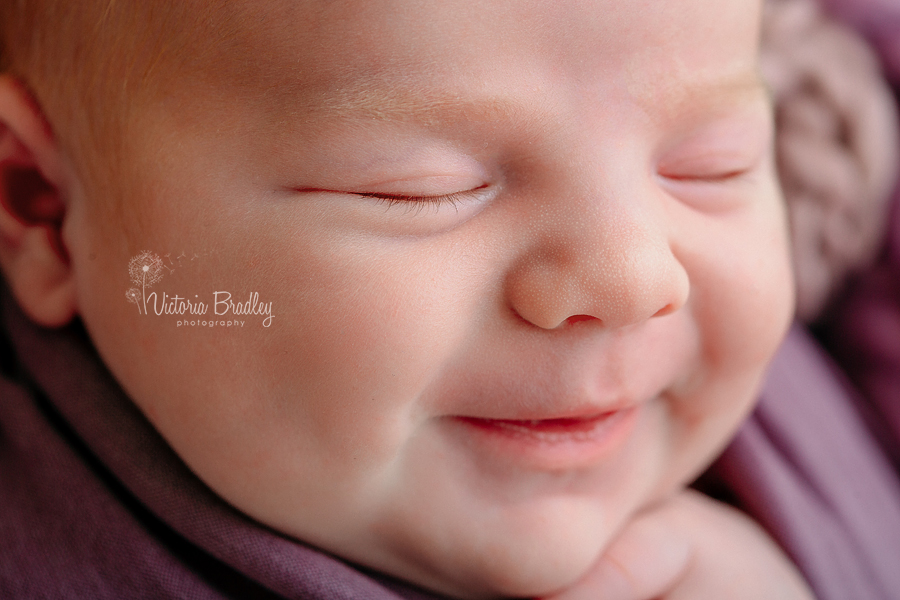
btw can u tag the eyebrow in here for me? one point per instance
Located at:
(400, 103)
(701, 95)
(377, 100)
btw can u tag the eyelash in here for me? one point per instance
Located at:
(712, 178)
(418, 203)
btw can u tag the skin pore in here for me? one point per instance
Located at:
(528, 265)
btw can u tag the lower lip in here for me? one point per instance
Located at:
(552, 443)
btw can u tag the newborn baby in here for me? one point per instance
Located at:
(508, 275)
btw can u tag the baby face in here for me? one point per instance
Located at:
(526, 264)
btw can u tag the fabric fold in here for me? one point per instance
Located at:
(807, 468)
(243, 557)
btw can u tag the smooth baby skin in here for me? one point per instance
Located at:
(690, 547)
(528, 262)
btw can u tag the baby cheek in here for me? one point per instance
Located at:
(765, 298)
(743, 291)
(740, 304)
(741, 320)
(364, 344)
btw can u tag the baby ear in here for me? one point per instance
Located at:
(33, 257)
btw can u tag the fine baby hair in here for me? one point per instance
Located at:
(437, 299)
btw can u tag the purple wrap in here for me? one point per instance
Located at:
(93, 503)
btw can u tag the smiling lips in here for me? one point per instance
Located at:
(548, 430)
(570, 442)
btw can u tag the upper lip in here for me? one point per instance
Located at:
(543, 383)
(549, 394)
(581, 413)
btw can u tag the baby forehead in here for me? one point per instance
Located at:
(385, 57)
(397, 30)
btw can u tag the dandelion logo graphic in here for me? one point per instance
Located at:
(145, 269)
(134, 296)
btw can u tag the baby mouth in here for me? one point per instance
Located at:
(553, 443)
(572, 429)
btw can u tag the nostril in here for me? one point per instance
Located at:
(579, 318)
(665, 310)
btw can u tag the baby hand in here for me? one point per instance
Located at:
(691, 548)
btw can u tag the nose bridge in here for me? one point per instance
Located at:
(605, 253)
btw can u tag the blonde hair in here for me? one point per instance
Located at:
(91, 64)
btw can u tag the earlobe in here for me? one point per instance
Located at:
(33, 256)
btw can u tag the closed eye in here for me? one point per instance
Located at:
(712, 177)
(394, 199)
(419, 202)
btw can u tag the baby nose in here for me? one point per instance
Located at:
(621, 271)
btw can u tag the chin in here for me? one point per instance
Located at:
(536, 569)
(537, 575)
(533, 553)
